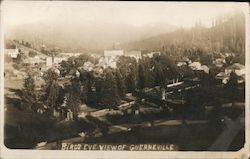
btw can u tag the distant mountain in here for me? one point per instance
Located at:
(86, 35)
(154, 29)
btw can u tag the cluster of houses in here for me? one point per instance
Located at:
(110, 58)
(222, 76)
(237, 68)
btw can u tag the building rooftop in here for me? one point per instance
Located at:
(113, 52)
(236, 66)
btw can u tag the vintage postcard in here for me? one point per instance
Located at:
(116, 79)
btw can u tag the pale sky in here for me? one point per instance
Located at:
(184, 14)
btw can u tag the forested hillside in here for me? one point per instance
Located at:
(227, 34)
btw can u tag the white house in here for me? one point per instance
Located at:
(13, 53)
(198, 66)
(49, 61)
(195, 66)
(151, 54)
(238, 68)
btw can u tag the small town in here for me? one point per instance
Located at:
(188, 91)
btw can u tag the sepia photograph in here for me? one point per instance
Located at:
(116, 76)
